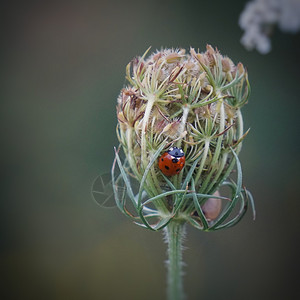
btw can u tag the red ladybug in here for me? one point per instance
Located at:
(172, 161)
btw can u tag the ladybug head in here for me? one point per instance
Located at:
(176, 152)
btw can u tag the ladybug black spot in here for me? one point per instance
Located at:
(175, 160)
(162, 159)
(177, 170)
(167, 167)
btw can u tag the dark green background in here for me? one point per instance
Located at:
(63, 67)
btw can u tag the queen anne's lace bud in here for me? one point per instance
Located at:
(191, 101)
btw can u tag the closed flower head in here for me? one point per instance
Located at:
(184, 108)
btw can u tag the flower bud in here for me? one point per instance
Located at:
(212, 207)
(191, 101)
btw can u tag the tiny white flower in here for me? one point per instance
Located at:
(260, 16)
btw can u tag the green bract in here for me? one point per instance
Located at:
(192, 101)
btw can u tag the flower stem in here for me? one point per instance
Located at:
(175, 233)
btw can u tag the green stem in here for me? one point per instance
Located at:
(175, 232)
(130, 152)
(203, 160)
(150, 103)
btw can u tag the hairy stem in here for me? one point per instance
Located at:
(131, 158)
(175, 233)
(203, 160)
(150, 103)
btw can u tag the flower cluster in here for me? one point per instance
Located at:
(192, 101)
(260, 16)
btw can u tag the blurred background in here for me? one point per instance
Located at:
(63, 65)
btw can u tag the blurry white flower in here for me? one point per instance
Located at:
(259, 17)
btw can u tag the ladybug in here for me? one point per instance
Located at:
(172, 161)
